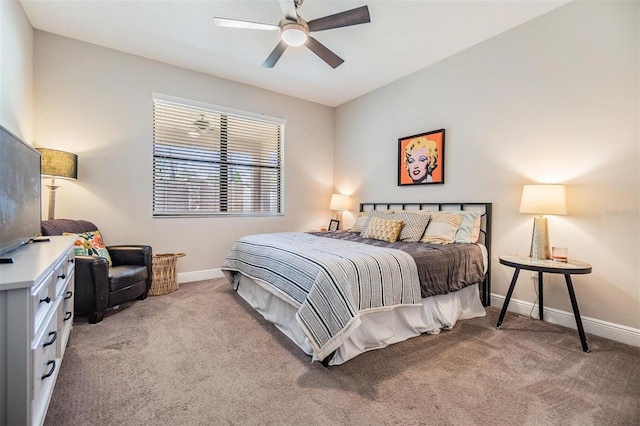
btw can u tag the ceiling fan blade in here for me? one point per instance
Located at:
(275, 55)
(325, 54)
(359, 15)
(289, 10)
(236, 23)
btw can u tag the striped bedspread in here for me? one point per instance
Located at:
(330, 281)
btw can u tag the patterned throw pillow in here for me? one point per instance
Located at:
(414, 225)
(442, 228)
(90, 244)
(370, 214)
(383, 229)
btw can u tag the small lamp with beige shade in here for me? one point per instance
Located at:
(339, 202)
(541, 200)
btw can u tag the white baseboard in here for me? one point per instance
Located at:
(609, 330)
(209, 274)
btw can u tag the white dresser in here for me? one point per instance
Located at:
(36, 316)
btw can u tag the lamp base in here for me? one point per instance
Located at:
(540, 239)
(52, 199)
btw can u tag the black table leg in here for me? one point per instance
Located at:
(508, 298)
(540, 297)
(576, 313)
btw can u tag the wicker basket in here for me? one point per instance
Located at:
(165, 278)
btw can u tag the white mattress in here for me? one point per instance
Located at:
(378, 329)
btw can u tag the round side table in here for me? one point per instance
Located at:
(549, 266)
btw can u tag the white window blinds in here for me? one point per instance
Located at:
(210, 162)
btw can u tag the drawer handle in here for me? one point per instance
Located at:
(52, 363)
(53, 339)
(63, 276)
(68, 295)
(46, 300)
(67, 316)
(71, 260)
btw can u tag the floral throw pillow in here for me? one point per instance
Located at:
(90, 244)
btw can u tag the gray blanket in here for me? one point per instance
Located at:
(442, 268)
(331, 281)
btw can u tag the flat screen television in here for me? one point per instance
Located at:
(20, 187)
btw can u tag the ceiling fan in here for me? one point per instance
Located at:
(294, 31)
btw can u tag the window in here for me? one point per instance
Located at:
(211, 161)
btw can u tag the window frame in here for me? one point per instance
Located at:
(225, 192)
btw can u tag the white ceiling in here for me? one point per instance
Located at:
(403, 37)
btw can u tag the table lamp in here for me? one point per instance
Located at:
(339, 202)
(57, 164)
(540, 200)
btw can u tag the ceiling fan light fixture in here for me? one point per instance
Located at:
(294, 34)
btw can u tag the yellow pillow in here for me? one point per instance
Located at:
(383, 229)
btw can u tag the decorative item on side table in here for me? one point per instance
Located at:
(421, 158)
(57, 164)
(542, 199)
(165, 277)
(339, 202)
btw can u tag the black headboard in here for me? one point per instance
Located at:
(485, 228)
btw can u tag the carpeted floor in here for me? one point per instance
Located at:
(202, 356)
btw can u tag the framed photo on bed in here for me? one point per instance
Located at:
(421, 158)
(334, 225)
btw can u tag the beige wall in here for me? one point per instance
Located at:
(554, 100)
(97, 103)
(16, 70)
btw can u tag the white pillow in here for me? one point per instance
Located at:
(360, 222)
(469, 230)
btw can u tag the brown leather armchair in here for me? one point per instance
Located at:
(99, 286)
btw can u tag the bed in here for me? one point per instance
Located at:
(337, 294)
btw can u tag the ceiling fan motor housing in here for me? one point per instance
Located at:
(294, 33)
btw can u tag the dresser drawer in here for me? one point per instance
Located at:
(42, 300)
(63, 272)
(45, 364)
(65, 315)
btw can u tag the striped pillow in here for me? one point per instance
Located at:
(442, 228)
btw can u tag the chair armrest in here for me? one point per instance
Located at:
(132, 255)
(92, 283)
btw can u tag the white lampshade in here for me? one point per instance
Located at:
(543, 199)
(339, 202)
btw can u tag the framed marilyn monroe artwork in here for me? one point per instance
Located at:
(421, 158)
